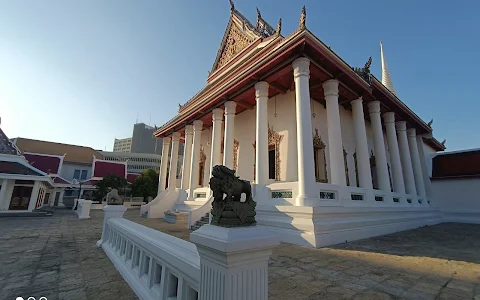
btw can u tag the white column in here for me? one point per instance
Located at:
(423, 162)
(307, 189)
(379, 145)
(233, 262)
(33, 197)
(187, 156)
(397, 173)
(417, 167)
(361, 145)
(60, 198)
(230, 109)
(162, 179)
(261, 135)
(195, 160)
(335, 148)
(172, 173)
(405, 157)
(216, 153)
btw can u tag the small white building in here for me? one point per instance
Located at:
(23, 188)
(333, 154)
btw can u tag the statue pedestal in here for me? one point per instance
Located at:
(111, 211)
(233, 262)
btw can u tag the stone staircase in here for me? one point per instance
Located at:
(200, 223)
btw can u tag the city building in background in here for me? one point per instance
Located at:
(136, 162)
(122, 145)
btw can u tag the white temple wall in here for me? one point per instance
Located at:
(429, 155)
(457, 199)
(284, 123)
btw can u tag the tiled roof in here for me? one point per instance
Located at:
(73, 153)
(60, 180)
(47, 164)
(10, 167)
(6, 146)
(132, 176)
(460, 164)
(104, 168)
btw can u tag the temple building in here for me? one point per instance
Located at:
(332, 153)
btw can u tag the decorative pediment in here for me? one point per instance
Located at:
(317, 141)
(239, 34)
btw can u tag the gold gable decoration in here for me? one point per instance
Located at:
(235, 42)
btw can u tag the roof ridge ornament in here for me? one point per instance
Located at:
(232, 5)
(430, 123)
(278, 31)
(303, 18)
(259, 15)
(443, 142)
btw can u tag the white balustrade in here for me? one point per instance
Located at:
(159, 266)
(154, 264)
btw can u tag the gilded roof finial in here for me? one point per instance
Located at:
(232, 5)
(303, 17)
(259, 15)
(278, 31)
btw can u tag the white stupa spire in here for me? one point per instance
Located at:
(386, 79)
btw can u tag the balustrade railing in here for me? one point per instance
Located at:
(155, 265)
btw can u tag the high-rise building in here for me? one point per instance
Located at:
(122, 145)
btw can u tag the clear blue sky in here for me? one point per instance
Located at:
(81, 72)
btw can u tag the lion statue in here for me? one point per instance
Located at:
(113, 198)
(224, 181)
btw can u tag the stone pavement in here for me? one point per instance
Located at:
(56, 257)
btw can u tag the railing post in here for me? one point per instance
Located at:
(111, 211)
(233, 262)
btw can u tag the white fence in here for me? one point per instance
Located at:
(160, 266)
(156, 265)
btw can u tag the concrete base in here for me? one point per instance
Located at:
(234, 261)
(111, 211)
(325, 226)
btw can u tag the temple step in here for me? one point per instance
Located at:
(204, 220)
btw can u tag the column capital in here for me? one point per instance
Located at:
(389, 117)
(359, 100)
(301, 67)
(217, 114)
(197, 125)
(374, 107)
(261, 89)
(401, 125)
(230, 107)
(176, 136)
(166, 140)
(411, 132)
(189, 130)
(330, 87)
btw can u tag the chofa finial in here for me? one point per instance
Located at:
(430, 123)
(232, 5)
(368, 64)
(443, 142)
(259, 15)
(303, 17)
(278, 31)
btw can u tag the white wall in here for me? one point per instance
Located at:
(68, 169)
(429, 155)
(458, 199)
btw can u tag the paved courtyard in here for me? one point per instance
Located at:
(56, 257)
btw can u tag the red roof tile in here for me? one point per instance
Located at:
(47, 164)
(132, 176)
(104, 168)
(60, 180)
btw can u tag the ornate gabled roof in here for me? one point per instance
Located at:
(6, 146)
(239, 34)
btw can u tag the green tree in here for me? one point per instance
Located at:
(146, 184)
(110, 182)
